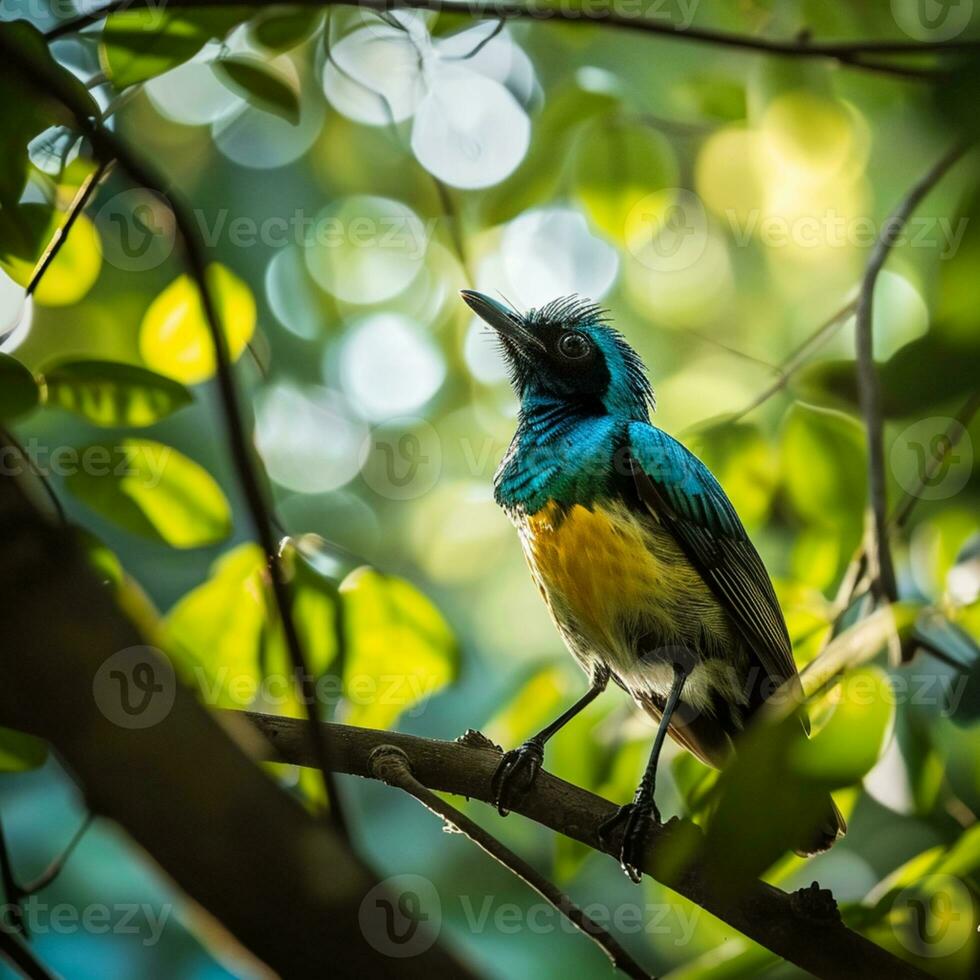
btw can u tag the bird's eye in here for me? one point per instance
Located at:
(573, 346)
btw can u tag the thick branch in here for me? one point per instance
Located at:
(465, 767)
(869, 389)
(849, 53)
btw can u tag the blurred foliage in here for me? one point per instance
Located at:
(348, 174)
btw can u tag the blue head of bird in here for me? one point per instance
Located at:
(566, 353)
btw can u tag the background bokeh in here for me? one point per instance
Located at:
(720, 204)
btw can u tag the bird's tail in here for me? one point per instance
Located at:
(831, 828)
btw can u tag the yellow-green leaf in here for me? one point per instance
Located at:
(268, 90)
(174, 336)
(110, 393)
(152, 490)
(400, 651)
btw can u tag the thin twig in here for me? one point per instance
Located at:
(7, 436)
(391, 765)
(869, 389)
(16, 952)
(82, 196)
(57, 865)
(108, 147)
(798, 357)
(851, 54)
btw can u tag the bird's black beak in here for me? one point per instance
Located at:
(508, 324)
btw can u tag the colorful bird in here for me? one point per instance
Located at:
(638, 553)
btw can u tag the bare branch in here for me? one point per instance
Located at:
(391, 765)
(883, 574)
(850, 54)
(18, 954)
(763, 913)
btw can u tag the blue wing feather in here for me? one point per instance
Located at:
(687, 499)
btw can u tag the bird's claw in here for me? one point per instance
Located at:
(515, 773)
(637, 817)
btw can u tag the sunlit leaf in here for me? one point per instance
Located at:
(215, 630)
(24, 231)
(174, 335)
(852, 740)
(19, 392)
(715, 97)
(400, 650)
(75, 268)
(623, 175)
(264, 88)
(152, 490)
(20, 752)
(111, 393)
(139, 44)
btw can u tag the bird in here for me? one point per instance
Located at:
(644, 565)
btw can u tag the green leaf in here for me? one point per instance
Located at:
(215, 631)
(110, 393)
(616, 166)
(400, 651)
(24, 231)
(854, 737)
(19, 393)
(285, 28)
(715, 97)
(49, 96)
(152, 490)
(930, 371)
(268, 90)
(20, 752)
(823, 461)
(138, 45)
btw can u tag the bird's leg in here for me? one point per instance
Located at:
(637, 814)
(519, 767)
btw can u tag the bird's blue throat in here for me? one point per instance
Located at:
(562, 454)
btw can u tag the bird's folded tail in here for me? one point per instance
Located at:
(831, 828)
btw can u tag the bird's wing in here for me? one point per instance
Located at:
(681, 492)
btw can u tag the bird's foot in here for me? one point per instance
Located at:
(637, 817)
(515, 773)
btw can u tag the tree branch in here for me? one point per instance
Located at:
(18, 954)
(869, 390)
(465, 767)
(851, 54)
(391, 765)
